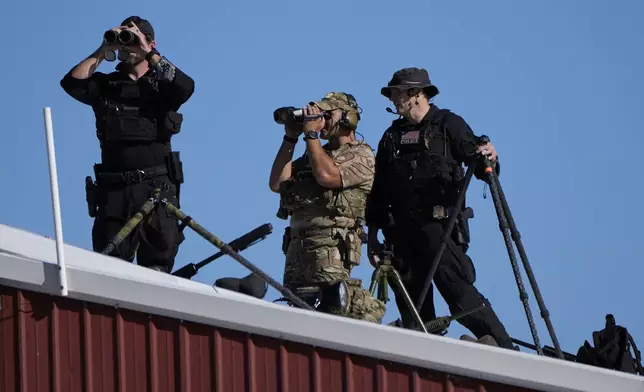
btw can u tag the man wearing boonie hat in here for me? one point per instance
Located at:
(418, 173)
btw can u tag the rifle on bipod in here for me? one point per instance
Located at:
(239, 244)
(548, 351)
(439, 325)
(186, 220)
(385, 272)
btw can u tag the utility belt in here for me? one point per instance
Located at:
(313, 232)
(130, 177)
(173, 169)
(306, 233)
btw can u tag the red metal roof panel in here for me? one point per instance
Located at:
(59, 344)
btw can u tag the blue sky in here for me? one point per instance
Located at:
(555, 84)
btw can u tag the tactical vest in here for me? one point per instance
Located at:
(421, 169)
(303, 195)
(127, 113)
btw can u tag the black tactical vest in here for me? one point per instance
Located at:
(127, 113)
(422, 171)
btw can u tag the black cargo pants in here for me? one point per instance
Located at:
(415, 246)
(155, 241)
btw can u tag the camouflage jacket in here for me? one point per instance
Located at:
(311, 205)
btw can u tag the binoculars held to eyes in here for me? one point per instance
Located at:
(124, 37)
(290, 114)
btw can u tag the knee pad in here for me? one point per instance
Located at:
(362, 305)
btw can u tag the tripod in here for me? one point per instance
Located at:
(382, 274)
(154, 200)
(510, 232)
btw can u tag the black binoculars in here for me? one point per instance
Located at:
(124, 37)
(287, 114)
(290, 114)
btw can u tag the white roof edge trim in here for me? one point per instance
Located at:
(122, 286)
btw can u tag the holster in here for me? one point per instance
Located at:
(91, 196)
(463, 227)
(286, 239)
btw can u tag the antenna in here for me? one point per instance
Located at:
(55, 201)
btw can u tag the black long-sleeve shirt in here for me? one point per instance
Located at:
(174, 88)
(462, 145)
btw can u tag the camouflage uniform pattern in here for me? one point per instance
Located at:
(323, 247)
(335, 101)
(324, 244)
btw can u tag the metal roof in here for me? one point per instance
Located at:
(127, 325)
(80, 346)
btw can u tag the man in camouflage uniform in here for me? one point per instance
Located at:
(324, 192)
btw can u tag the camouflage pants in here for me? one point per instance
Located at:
(322, 259)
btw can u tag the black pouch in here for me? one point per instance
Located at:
(172, 123)
(286, 239)
(91, 191)
(282, 212)
(175, 168)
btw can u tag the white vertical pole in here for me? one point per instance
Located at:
(53, 180)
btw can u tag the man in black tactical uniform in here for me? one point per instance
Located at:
(418, 168)
(136, 115)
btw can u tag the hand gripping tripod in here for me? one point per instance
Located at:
(510, 232)
(154, 200)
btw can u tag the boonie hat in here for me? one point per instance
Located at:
(407, 78)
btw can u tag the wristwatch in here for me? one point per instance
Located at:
(310, 135)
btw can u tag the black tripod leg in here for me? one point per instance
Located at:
(446, 234)
(516, 236)
(213, 239)
(410, 304)
(503, 225)
(130, 225)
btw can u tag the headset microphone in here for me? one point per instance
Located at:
(392, 111)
